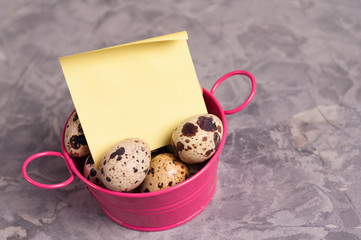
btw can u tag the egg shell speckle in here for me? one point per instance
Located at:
(74, 138)
(91, 173)
(125, 165)
(197, 138)
(165, 171)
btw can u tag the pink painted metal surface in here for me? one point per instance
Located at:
(42, 185)
(251, 95)
(161, 210)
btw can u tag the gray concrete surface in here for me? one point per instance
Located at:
(291, 165)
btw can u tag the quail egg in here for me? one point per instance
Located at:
(197, 138)
(125, 165)
(91, 173)
(165, 171)
(74, 138)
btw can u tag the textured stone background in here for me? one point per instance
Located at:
(291, 165)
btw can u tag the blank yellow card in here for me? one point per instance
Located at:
(142, 89)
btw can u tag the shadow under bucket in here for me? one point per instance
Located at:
(164, 209)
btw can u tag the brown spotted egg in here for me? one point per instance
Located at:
(125, 165)
(74, 138)
(196, 139)
(165, 171)
(91, 173)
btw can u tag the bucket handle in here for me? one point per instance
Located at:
(42, 185)
(251, 95)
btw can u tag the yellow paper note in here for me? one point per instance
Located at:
(142, 89)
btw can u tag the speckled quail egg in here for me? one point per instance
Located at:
(165, 171)
(91, 173)
(197, 138)
(74, 138)
(125, 165)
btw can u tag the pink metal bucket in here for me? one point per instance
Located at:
(161, 210)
